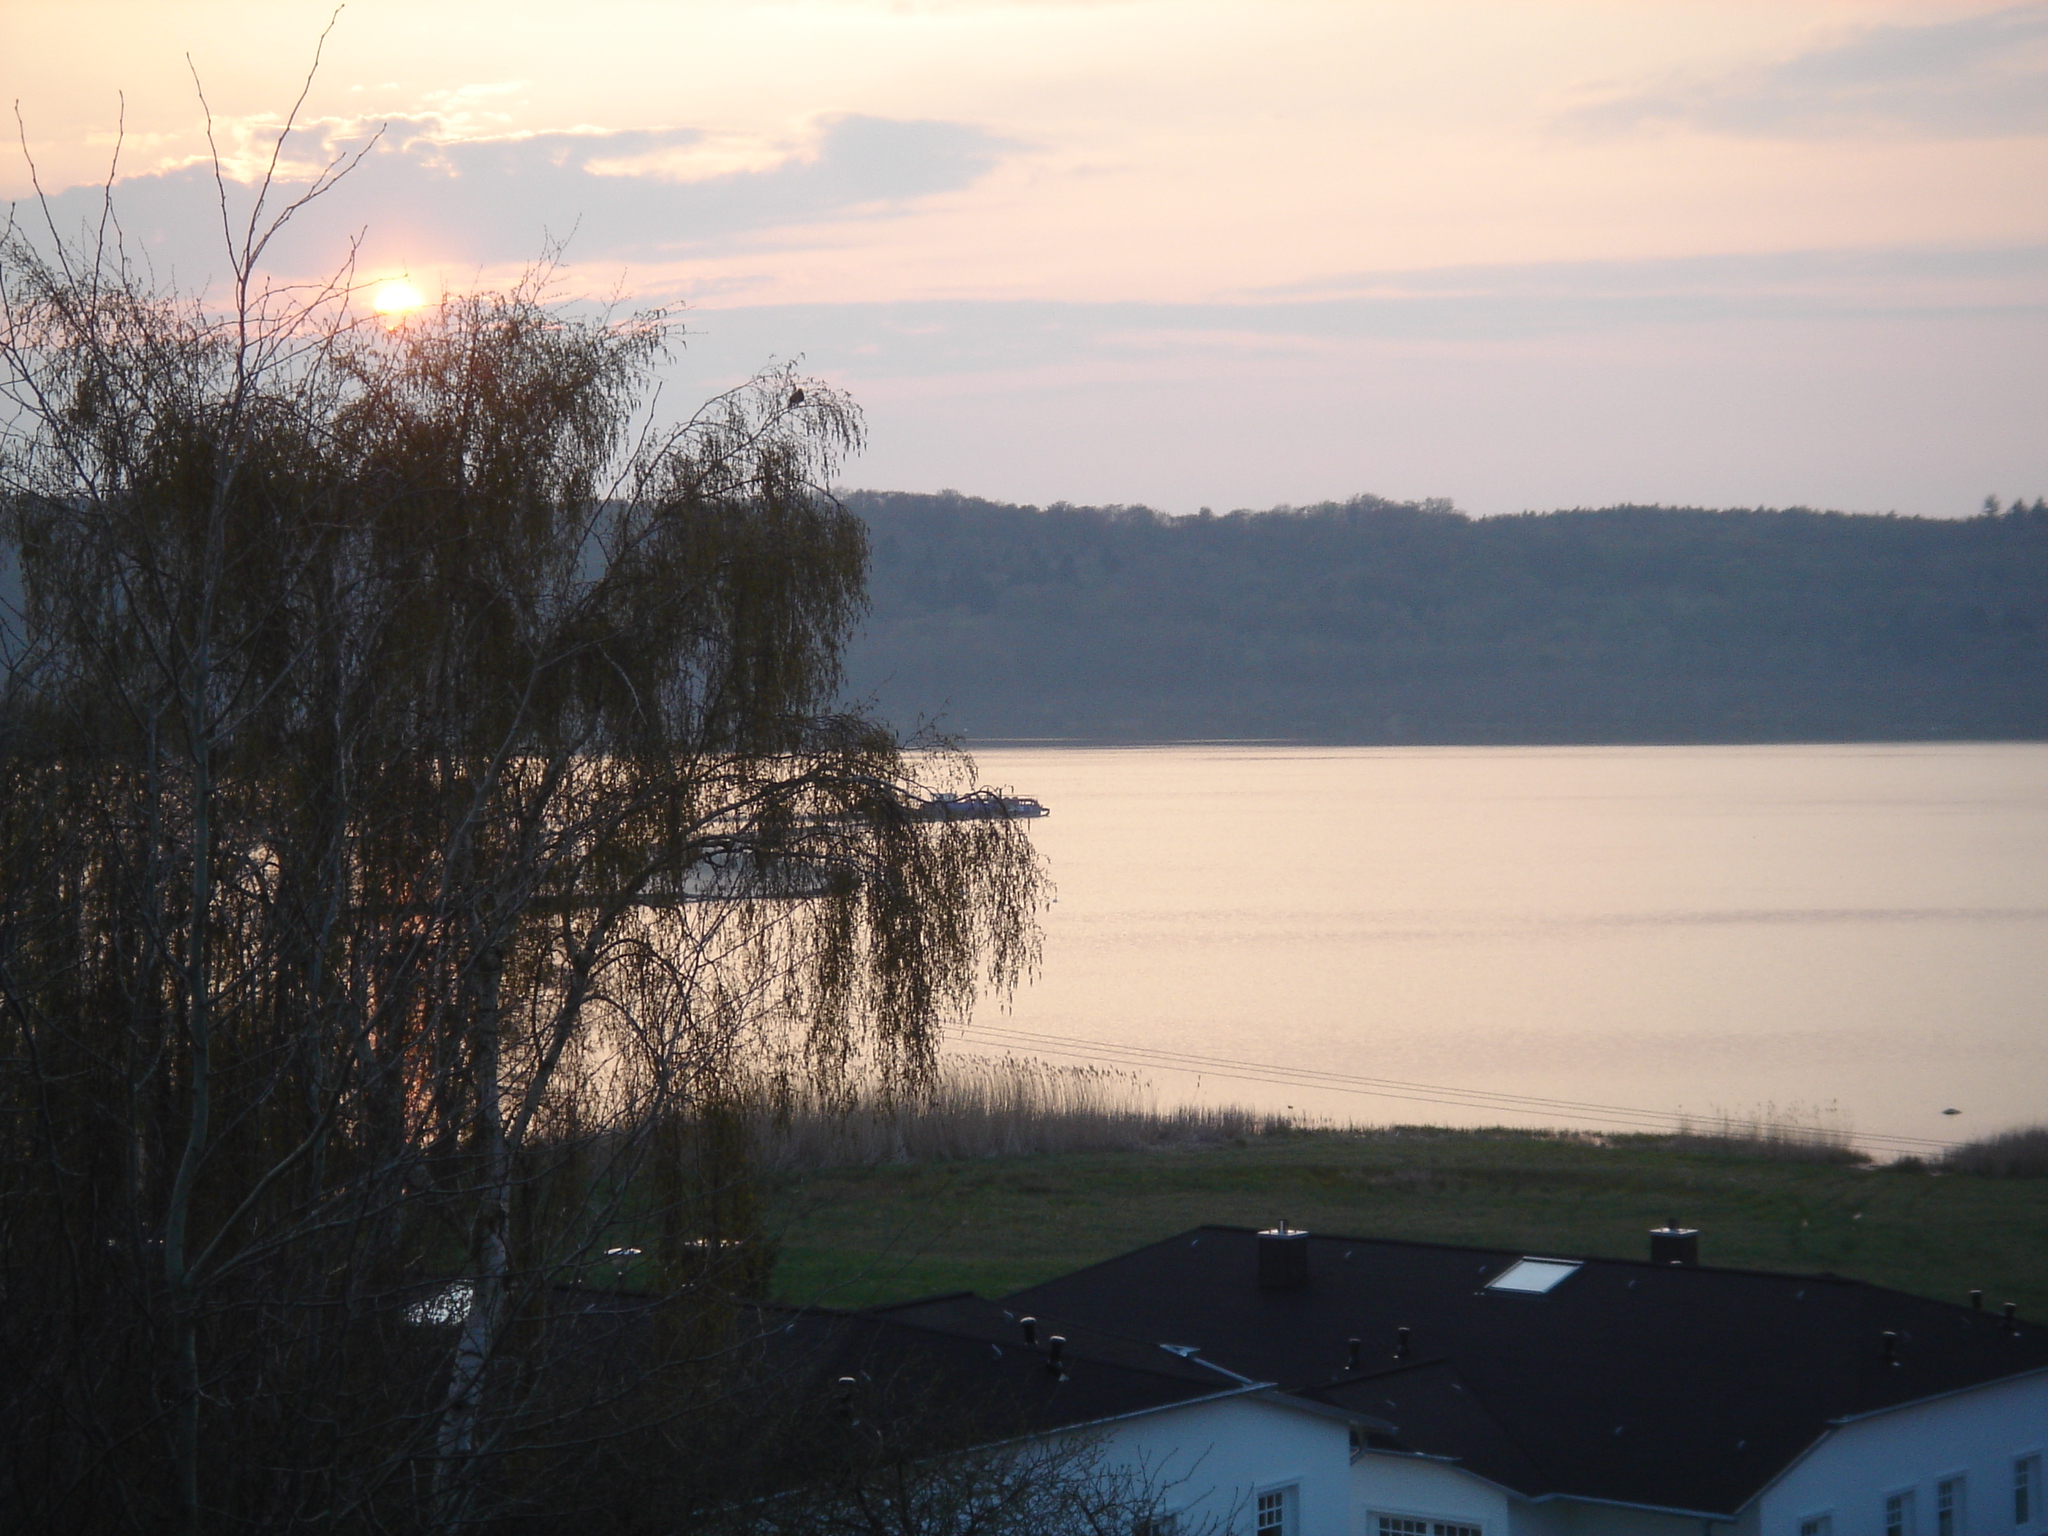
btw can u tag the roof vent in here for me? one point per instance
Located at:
(1030, 1327)
(1673, 1244)
(1283, 1258)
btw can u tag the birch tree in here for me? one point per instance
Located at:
(423, 797)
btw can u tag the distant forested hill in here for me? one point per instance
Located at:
(1375, 621)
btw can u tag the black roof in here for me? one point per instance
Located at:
(965, 1358)
(1683, 1387)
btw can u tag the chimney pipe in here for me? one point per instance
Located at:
(1673, 1244)
(1976, 1301)
(1401, 1343)
(1891, 1347)
(2012, 1317)
(1055, 1347)
(1353, 1351)
(1030, 1327)
(1283, 1258)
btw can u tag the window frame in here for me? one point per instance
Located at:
(2030, 1463)
(1431, 1523)
(1822, 1522)
(1289, 1490)
(1909, 1504)
(1958, 1510)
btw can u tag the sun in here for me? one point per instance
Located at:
(397, 297)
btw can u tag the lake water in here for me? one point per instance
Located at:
(1855, 932)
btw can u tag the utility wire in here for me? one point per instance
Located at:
(1124, 1054)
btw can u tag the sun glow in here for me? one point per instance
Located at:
(397, 297)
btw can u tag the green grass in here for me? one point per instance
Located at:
(855, 1236)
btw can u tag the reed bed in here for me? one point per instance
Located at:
(1795, 1133)
(1008, 1106)
(988, 1107)
(2021, 1154)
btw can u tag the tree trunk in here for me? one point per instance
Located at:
(184, 1323)
(463, 1408)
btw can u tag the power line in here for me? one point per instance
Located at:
(1124, 1054)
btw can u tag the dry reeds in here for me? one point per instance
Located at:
(1011, 1106)
(1794, 1134)
(988, 1107)
(2021, 1154)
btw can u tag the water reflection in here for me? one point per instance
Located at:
(1712, 929)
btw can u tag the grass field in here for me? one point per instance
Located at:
(858, 1235)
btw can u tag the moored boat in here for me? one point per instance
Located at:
(980, 805)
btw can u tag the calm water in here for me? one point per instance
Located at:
(1707, 929)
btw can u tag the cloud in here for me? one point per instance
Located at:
(425, 197)
(1900, 378)
(1525, 302)
(1982, 76)
(1885, 277)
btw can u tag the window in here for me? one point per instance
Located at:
(1276, 1513)
(1537, 1277)
(1898, 1514)
(1817, 1525)
(2026, 1490)
(1948, 1507)
(1409, 1525)
(1157, 1525)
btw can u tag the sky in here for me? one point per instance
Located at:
(1519, 254)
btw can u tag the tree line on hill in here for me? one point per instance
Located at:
(1374, 621)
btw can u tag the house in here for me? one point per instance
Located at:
(1328, 1386)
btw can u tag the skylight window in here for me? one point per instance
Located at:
(1533, 1277)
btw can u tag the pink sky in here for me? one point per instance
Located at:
(1519, 253)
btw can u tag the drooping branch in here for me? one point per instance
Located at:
(454, 805)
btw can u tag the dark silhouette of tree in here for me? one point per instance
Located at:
(423, 799)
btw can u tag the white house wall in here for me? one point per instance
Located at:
(1387, 1484)
(1571, 1517)
(1220, 1455)
(1977, 1433)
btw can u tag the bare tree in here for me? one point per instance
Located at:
(930, 1435)
(422, 800)
(1049, 1485)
